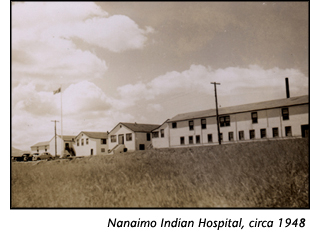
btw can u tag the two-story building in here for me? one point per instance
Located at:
(282, 118)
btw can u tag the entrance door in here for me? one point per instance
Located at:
(305, 131)
(67, 146)
(141, 147)
(91, 151)
(121, 139)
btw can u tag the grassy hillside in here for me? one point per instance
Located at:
(258, 174)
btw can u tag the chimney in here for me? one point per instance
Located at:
(287, 88)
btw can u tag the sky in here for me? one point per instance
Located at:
(146, 62)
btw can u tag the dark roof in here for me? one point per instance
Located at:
(137, 127)
(95, 135)
(41, 144)
(243, 108)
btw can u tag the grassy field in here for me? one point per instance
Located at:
(258, 174)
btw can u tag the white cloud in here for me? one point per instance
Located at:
(43, 48)
(238, 85)
(83, 97)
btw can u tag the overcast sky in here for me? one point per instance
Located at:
(147, 62)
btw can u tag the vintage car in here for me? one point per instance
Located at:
(44, 156)
(25, 157)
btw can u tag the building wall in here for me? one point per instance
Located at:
(267, 119)
(93, 144)
(141, 139)
(41, 149)
(122, 130)
(60, 145)
(161, 142)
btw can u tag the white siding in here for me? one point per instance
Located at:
(161, 142)
(120, 129)
(267, 119)
(93, 145)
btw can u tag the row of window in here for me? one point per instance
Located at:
(263, 134)
(102, 141)
(225, 120)
(128, 137)
(155, 134)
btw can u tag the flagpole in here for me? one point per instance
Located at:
(62, 147)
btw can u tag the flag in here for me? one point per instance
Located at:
(57, 91)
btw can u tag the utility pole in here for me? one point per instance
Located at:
(55, 138)
(217, 112)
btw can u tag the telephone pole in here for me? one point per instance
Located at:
(55, 138)
(217, 112)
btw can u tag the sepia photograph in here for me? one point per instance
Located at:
(170, 105)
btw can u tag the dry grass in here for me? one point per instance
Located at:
(259, 174)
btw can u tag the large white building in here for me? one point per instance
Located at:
(283, 118)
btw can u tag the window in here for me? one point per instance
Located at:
(191, 125)
(254, 117)
(102, 150)
(162, 133)
(288, 131)
(285, 114)
(275, 132)
(155, 134)
(141, 147)
(45, 149)
(103, 141)
(113, 138)
(197, 139)
(252, 134)
(262, 133)
(182, 142)
(210, 138)
(37, 149)
(225, 121)
(241, 135)
(82, 142)
(203, 123)
(190, 140)
(148, 137)
(86, 140)
(231, 136)
(77, 142)
(174, 125)
(129, 137)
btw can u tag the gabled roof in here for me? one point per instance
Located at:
(41, 144)
(95, 135)
(243, 108)
(161, 125)
(138, 127)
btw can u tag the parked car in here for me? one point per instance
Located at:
(35, 156)
(27, 157)
(44, 156)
